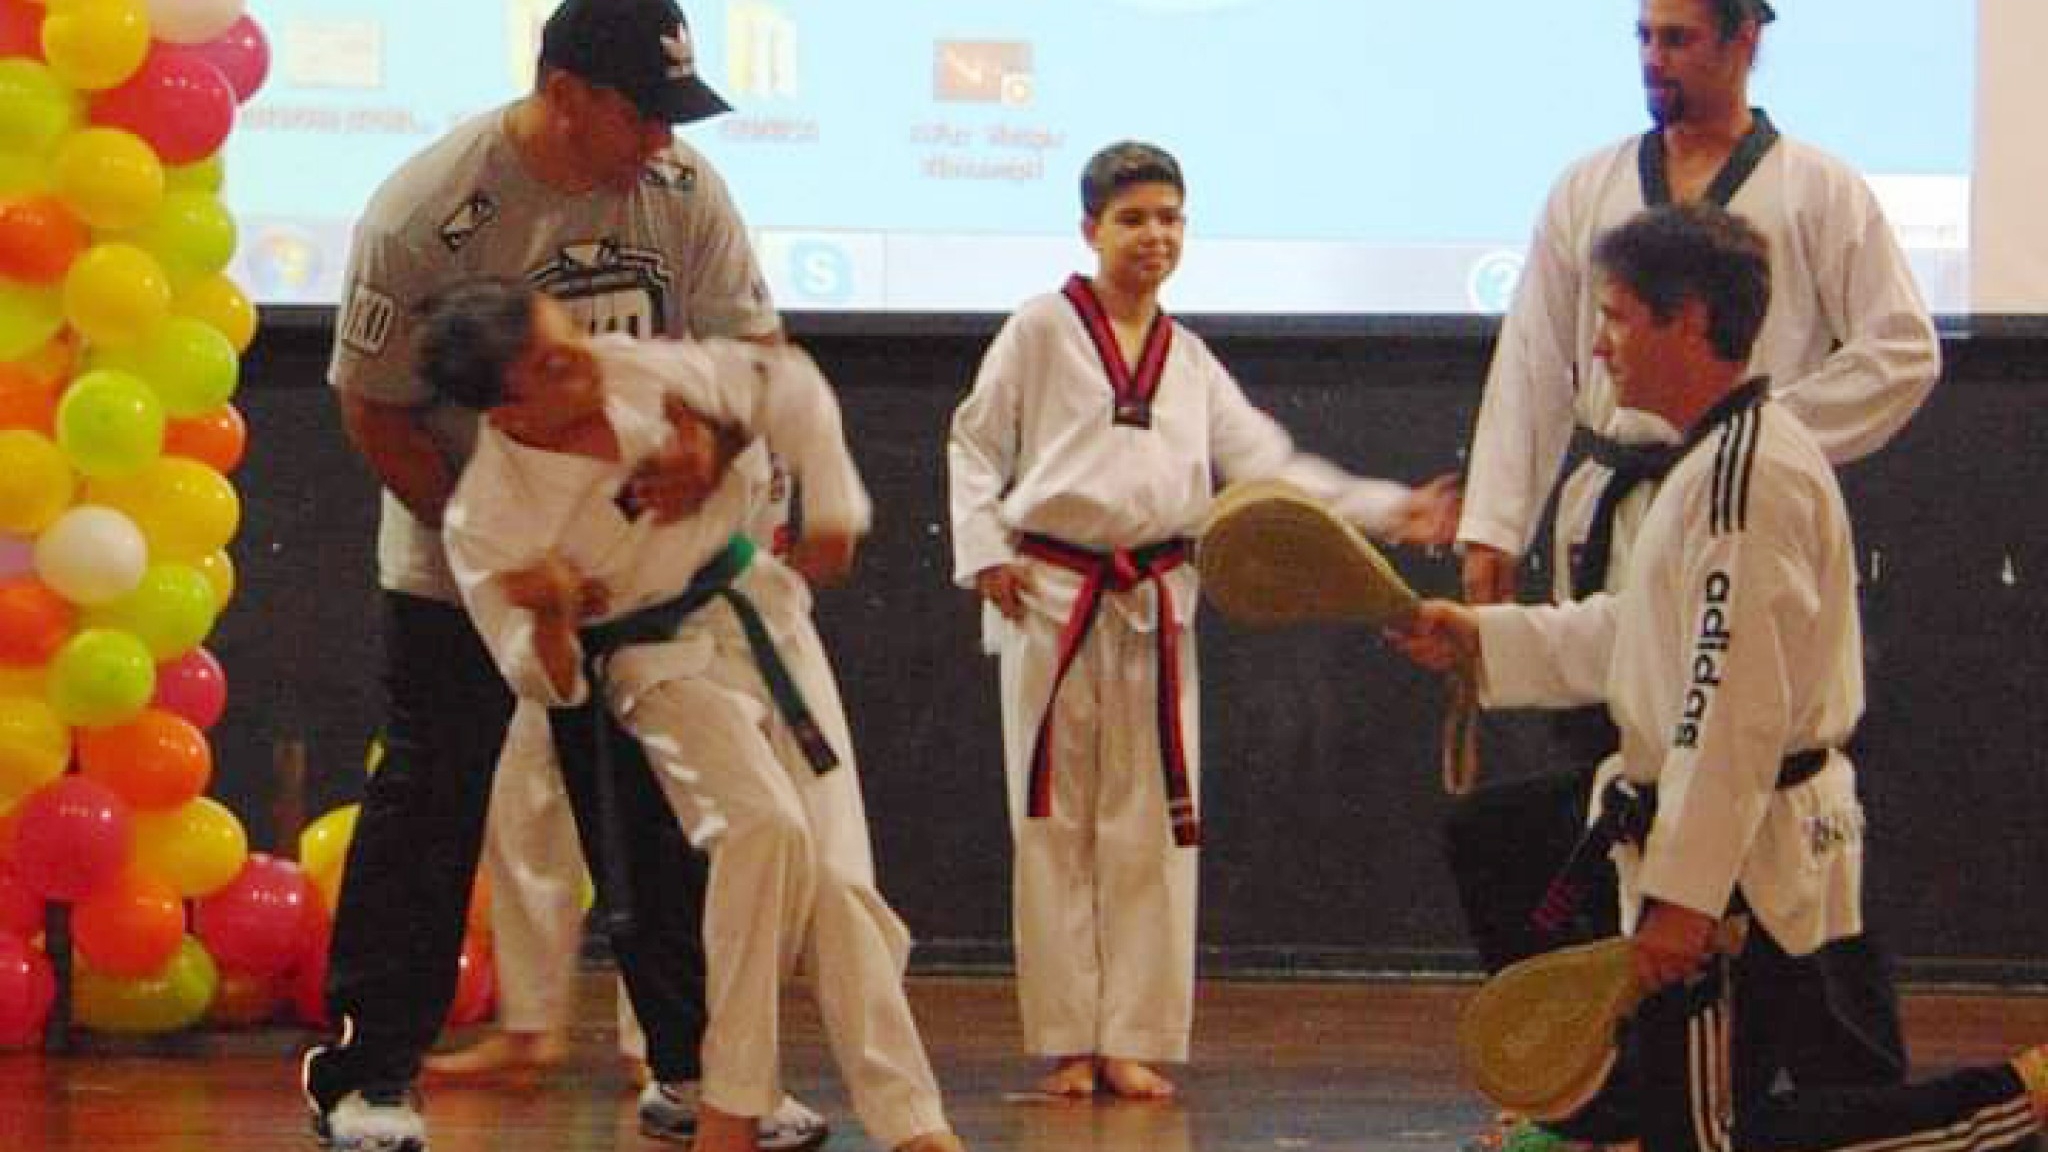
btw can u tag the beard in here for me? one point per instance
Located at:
(1666, 102)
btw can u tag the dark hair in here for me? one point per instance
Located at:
(471, 332)
(1731, 13)
(1668, 255)
(1122, 165)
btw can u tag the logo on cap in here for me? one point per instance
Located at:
(683, 59)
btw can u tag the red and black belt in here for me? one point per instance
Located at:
(1102, 573)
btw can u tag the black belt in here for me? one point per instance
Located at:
(1627, 812)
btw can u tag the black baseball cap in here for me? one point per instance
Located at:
(639, 48)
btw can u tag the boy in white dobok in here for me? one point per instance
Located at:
(718, 678)
(1084, 456)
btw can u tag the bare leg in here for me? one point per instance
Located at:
(501, 1052)
(1073, 1077)
(1134, 1081)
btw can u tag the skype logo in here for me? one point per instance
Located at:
(820, 273)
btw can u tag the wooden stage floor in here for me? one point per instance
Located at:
(1320, 1066)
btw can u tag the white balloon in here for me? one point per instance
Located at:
(92, 555)
(192, 21)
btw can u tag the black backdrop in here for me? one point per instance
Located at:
(1318, 745)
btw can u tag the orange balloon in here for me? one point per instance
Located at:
(130, 927)
(215, 439)
(26, 399)
(158, 760)
(39, 238)
(34, 621)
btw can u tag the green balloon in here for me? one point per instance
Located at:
(188, 363)
(29, 317)
(208, 175)
(110, 423)
(191, 235)
(23, 174)
(101, 677)
(170, 611)
(36, 107)
(174, 998)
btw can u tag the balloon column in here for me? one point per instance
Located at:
(120, 338)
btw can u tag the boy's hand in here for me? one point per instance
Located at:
(1004, 586)
(1430, 517)
(678, 480)
(1440, 635)
(1489, 575)
(823, 558)
(1670, 944)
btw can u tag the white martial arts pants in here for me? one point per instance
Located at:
(792, 876)
(1103, 905)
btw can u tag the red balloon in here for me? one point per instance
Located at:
(476, 984)
(21, 911)
(192, 686)
(241, 53)
(21, 29)
(73, 838)
(131, 928)
(309, 976)
(27, 988)
(215, 439)
(259, 922)
(39, 239)
(176, 102)
(34, 621)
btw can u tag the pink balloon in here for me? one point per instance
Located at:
(21, 29)
(72, 837)
(192, 686)
(309, 976)
(21, 910)
(259, 923)
(177, 102)
(17, 553)
(27, 988)
(241, 53)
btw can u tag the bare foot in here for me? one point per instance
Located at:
(1134, 1081)
(724, 1132)
(500, 1052)
(940, 1141)
(1073, 1078)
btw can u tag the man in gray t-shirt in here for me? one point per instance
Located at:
(580, 188)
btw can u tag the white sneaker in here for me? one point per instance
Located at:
(373, 1122)
(792, 1127)
(668, 1111)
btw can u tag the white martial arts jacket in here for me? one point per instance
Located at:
(1733, 643)
(1847, 343)
(1036, 447)
(515, 504)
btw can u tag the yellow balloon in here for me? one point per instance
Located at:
(96, 44)
(36, 481)
(220, 302)
(186, 510)
(109, 178)
(219, 570)
(34, 745)
(174, 998)
(196, 848)
(323, 851)
(116, 294)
